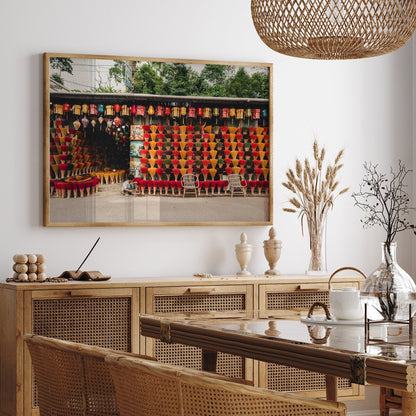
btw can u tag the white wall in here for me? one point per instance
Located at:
(364, 106)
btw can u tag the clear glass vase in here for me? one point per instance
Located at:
(389, 290)
(317, 263)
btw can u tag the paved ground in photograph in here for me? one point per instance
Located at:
(109, 205)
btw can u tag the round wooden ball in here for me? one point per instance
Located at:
(20, 268)
(41, 267)
(20, 258)
(33, 267)
(41, 258)
(23, 277)
(41, 277)
(31, 258)
(32, 277)
(15, 277)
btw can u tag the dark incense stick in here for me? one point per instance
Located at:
(88, 254)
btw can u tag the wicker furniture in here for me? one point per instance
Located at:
(190, 183)
(106, 314)
(72, 379)
(145, 388)
(345, 354)
(237, 184)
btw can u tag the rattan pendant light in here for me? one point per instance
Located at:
(334, 29)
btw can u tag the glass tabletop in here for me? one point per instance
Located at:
(385, 340)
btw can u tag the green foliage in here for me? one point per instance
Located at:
(148, 80)
(63, 64)
(105, 89)
(239, 85)
(162, 78)
(57, 78)
(118, 71)
(260, 85)
(179, 79)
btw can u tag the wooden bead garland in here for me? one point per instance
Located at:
(29, 268)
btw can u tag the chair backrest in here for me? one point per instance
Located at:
(189, 180)
(151, 388)
(71, 378)
(235, 180)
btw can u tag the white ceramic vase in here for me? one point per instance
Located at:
(272, 250)
(243, 253)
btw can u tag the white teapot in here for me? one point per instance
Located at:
(345, 303)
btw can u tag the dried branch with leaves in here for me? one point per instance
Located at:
(315, 189)
(385, 201)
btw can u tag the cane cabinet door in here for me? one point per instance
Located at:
(208, 301)
(101, 317)
(200, 302)
(294, 300)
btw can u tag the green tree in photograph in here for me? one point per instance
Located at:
(106, 89)
(148, 80)
(57, 78)
(179, 79)
(213, 79)
(239, 85)
(260, 85)
(118, 71)
(62, 64)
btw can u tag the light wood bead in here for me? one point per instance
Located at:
(23, 277)
(32, 277)
(20, 268)
(41, 267)
(41, 258)
(31, 258)
(41, 277)
(20, 258)
(33, 268)
(15, 277)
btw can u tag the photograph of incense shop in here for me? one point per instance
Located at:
(208, 208)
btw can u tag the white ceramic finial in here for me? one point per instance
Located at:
(243, 254)
(272, 251)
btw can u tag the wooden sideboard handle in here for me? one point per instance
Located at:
(199, 291)
(306, 287)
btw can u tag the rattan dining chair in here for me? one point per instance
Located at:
(150, 388)
(72, 379)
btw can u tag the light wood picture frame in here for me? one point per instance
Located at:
(195, 137)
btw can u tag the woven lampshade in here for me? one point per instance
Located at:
(334, 29)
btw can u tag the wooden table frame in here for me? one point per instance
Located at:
(358, 368)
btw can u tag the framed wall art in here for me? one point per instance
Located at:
(144, 141)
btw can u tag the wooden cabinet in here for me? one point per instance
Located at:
(200, 302)
(293, 299)
(107, 314)
(106, 317)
